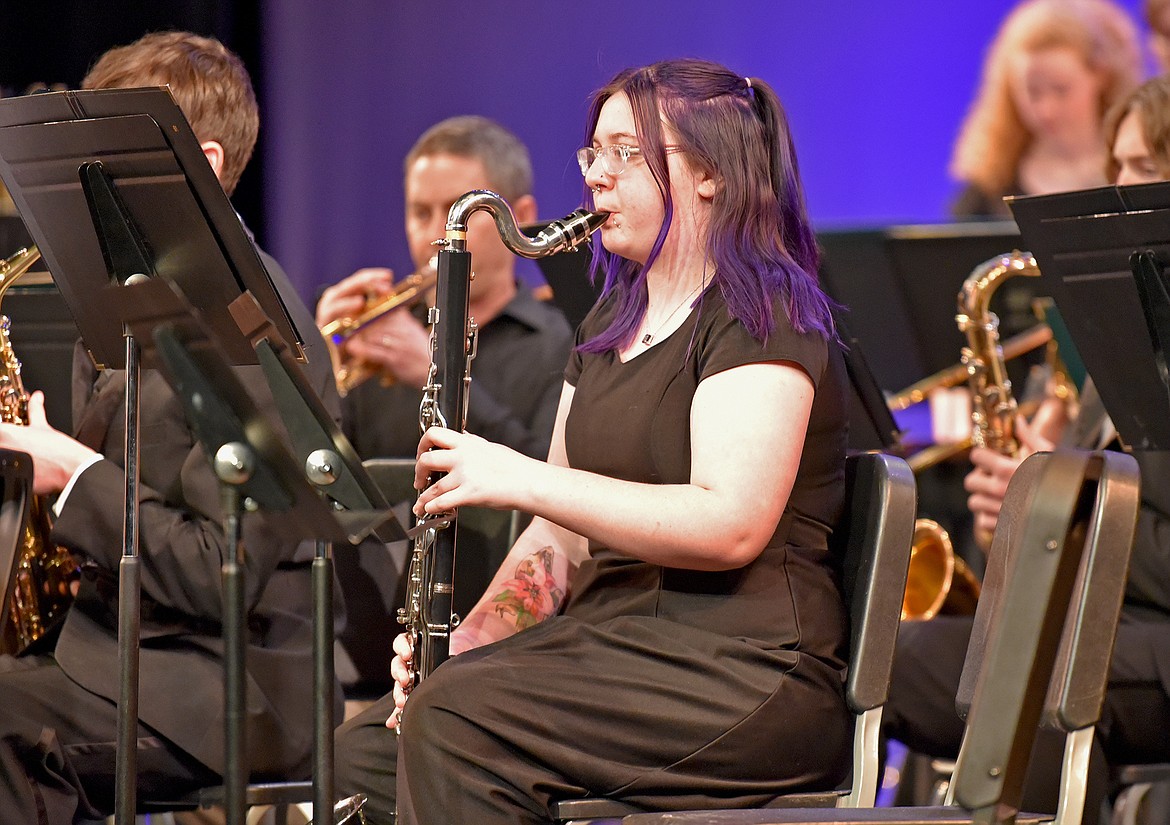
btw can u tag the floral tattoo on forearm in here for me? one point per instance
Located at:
(532, 595)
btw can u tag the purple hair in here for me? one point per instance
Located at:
(759, 238)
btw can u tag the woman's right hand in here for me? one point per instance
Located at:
(402, 674)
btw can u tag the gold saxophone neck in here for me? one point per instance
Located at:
(994, 406)
(975, 296)
(16, 265)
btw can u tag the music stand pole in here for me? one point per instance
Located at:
(129, 263)
(322, 584)
(234, 463)
(250, 460)
(129, 608)
(335, 471)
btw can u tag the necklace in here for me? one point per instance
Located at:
(649, 336)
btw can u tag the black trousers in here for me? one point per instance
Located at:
(637, 709)
(57, 749)
(1134, 720)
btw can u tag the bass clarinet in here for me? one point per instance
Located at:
(428, 616)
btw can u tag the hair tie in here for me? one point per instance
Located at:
(748, 81)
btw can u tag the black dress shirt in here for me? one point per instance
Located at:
(515, 386)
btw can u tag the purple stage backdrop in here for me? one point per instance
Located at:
(875, 91)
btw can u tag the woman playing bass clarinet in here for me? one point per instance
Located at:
(670, 626)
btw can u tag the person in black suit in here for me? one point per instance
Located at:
(58, 718)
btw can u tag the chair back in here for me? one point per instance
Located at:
(1044, 631)
(875, 534)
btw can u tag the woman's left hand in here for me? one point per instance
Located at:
(477, 472)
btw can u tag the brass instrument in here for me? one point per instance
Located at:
(994, 411)
(350, 372)
(938, 581)
(428, 616)
(1020, 344)
(39, 584)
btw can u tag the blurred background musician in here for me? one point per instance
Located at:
(1053, 70)
(58, 719)
(523, 342)
(1136, 713)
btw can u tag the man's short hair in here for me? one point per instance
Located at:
(207, 80)
(503, 155)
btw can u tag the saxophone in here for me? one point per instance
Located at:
(428, 617)
(994, 412)
(39, 584)
(938, 580)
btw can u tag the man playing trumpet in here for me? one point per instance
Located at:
(523, 343)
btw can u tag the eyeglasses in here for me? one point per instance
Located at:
(613, 158)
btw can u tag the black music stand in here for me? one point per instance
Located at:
(251, 462)
(335, 471)
(871, 422)
(112, 184)
(1098, 250)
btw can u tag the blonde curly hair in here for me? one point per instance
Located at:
(993, 137)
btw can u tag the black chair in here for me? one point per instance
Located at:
(1040, 647)
(874, 538)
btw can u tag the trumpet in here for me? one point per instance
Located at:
(349, 372)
